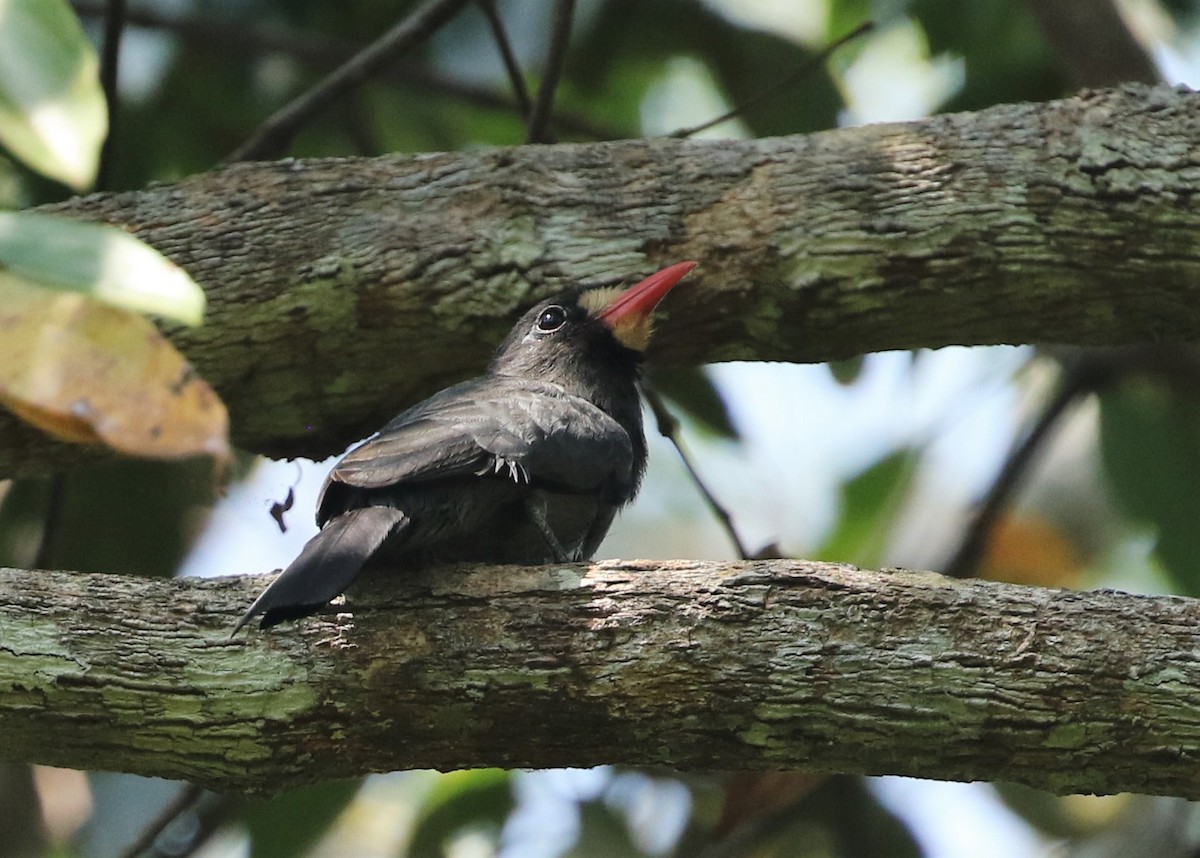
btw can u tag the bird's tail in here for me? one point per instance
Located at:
(329, 562)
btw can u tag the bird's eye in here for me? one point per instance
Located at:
(551, 319)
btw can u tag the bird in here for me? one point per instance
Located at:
(526, 464)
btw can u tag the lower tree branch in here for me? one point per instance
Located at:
(761, 665)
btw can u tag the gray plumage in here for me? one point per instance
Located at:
(528, 463)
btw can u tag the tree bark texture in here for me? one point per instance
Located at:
(343, 290)
(766, 665)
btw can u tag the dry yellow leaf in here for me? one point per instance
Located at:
(88, 372)
(1024, 549)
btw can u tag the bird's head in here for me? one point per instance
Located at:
(585, 336)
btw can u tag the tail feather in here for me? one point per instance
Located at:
(329, 562)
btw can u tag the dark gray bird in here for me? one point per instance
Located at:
(528, 463)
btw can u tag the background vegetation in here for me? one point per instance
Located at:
(881, 460)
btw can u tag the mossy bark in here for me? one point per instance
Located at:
(708, 666)
(343, 290)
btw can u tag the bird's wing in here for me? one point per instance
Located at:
(562, 442)
(530, 431)
(429, 441)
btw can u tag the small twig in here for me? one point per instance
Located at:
(803, 70)
(274, 135)
(560, 36)
(668, 427)
(515, 77)
(187, 796)
(211, 814)
(328, 52)
(1078, 380)
(110, 58)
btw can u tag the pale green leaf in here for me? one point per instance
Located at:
(98, 260)
(52, 110)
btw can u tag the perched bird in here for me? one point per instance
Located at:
(528, 463)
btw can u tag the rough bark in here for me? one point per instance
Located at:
(767, 665)
(342, 290)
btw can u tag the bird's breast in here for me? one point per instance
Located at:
(488, 521)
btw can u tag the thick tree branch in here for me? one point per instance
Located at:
(762, 665)
(341, 290)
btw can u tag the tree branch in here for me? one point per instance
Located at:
(556, 57)
(324, 51)
(342, 290)
(273, 137)
(760, 665)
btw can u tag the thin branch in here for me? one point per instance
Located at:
(560, 37)
(327, 52)
(802, 71)
(273, 137)
(210, 815)
(110, 60)
(515, 77)
(1078, 380)
(668, 427)
(187, 796)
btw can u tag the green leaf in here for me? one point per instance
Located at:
(1150, 446)
(1006, 58)
(845, 15)
(479, 798)
(846, 372)
(602, 833)
(691, 389)
(52, 111)
(97, 260)
(869, 501)
(746, 62)
(283, 826)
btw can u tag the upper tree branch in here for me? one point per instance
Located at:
(342, 290)
(766, 665)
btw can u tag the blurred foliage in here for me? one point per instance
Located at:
(846, 371)
(1150, 440)
(1030, 549)
(195, 94)
(76, 361)
(85, 371)
(289, 823)
(746, 62)
(869, 504)
(690, 390)
(129, 517)
(1072, 816)
(478, 800)
(52, 109)
(1005, 55)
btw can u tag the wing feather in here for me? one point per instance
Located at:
(535, 429)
